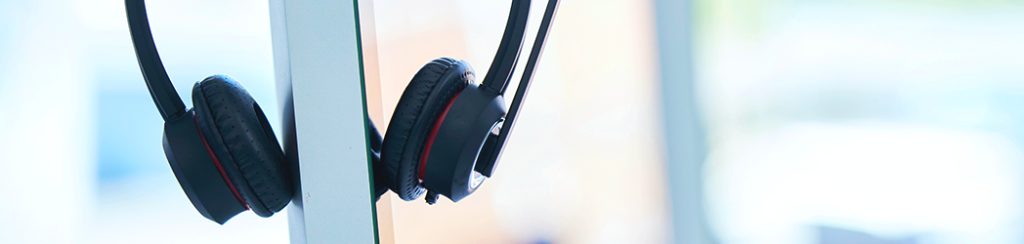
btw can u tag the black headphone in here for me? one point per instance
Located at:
(445, 136)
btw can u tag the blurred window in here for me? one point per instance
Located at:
(863, 121)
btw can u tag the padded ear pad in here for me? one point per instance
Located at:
(240, 136)
(423, 100)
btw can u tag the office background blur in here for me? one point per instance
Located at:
(824, 122)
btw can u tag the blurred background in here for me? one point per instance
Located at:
(737, 121)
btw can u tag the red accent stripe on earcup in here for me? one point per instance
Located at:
(216, 162)
(433, 135)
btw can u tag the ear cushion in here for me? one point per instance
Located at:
(239, 132)
(421, 103)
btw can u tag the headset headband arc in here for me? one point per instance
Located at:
(153, 71)
(169, 103)
(509, 49)
(492, 153)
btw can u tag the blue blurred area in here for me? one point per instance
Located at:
(834, 235)
(120, 130)
(89, 134)
(864, 121)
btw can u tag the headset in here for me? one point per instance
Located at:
(445, 137)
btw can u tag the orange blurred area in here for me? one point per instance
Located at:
(582, 165)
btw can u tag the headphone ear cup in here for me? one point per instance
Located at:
(239, 133)
(424, 99)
